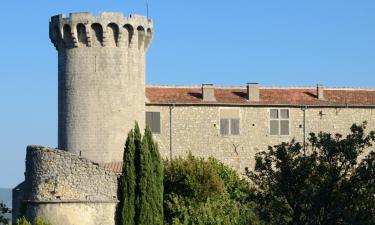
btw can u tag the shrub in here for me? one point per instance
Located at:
(199, 191)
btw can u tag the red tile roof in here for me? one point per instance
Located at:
(268, 96)
(115, 167)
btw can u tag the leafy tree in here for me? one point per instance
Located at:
(326, 184)
(142, 180)
(199, 191)
(4, 210)
(24, 221)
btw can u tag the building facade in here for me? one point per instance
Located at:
(102, 92)
(235, 123)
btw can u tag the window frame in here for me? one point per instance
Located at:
(230, 127)
(279, 120)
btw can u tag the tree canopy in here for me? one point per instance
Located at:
(331, 181)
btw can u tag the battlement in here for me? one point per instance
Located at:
(109, 29)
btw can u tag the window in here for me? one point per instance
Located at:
(230, 126)
(153, 121)
(279, 121)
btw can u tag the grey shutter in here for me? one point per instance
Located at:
(284, 113)
(274, 127)
(235, 126)
(224, 126)
(156, 122)
(149, 119)
(284, 127)
(153, 121)
(274, 113)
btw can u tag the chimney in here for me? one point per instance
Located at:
(320, 91)
(208, 92)
(252, 92)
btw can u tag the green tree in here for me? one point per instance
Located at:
(24, 221)
(156, 180)
(145, 186)
(326, 183)
(4, 210)
(142, 180)
(128, 181)
(201, 192)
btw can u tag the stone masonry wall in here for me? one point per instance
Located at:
(197, 129)
(61, 187)
(101, 84)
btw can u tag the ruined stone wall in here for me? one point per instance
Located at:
(197, 129)
(66, 189)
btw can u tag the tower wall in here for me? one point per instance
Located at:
(101, 66)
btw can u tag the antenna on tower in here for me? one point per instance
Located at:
(147, 8)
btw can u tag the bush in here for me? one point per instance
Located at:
(198, 191)
(39, 221)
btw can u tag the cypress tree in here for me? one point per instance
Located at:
(156, 180)
(145, 185)
(142, 180)
(128, 181)
(137, 162)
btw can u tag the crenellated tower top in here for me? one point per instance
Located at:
(102, 70)
(108, 29)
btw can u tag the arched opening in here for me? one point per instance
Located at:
(97, 32)
(128, 34)
(67, 36)
(82, 35)
(113, 34)
(148, 38)
(141, 36)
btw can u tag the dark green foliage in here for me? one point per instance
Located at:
(201, 191)
(4, 210)
(145, 185)
(157, 187)
(327, 185)
(128, 181)
(39, 221)
(142, 180)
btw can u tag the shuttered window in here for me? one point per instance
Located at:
(279, 121)
(230, 126)
(153, 121)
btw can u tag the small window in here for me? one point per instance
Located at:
(230, 126)
(279, 121)
(153, 121)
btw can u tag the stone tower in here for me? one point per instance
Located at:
(101, 79)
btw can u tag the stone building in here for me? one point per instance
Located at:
(102, 92)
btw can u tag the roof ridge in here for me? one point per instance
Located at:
(267, 87)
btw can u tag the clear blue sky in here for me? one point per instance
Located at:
(291, 43)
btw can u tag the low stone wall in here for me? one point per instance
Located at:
(66, 189)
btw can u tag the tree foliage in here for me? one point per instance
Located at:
(142, 180)
(332, 182)
(24, 221)
(199, 191)
(128, 181)
(4, 210)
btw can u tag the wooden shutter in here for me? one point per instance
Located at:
(153, 121)
(224, 126)
(156, 122)
(235, 126)
(274, 127)
(284, 127)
